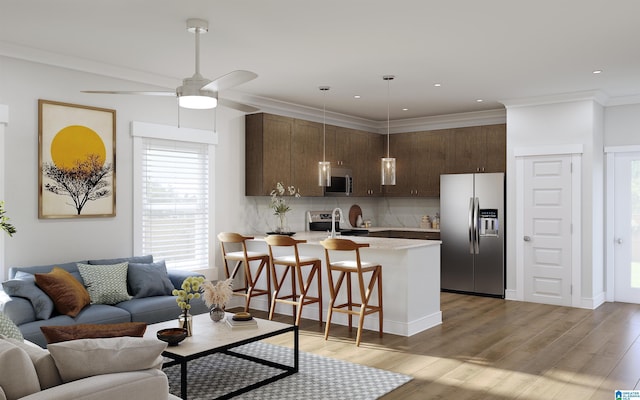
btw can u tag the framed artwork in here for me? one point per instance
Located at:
(76, 161)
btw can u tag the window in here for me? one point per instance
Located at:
(173, 201)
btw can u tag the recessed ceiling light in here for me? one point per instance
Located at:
(597, 71)
(357, 96)
(437, 84)
(479, 100)
(405, 109)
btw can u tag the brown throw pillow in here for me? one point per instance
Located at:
(55, 334)
(67, 293)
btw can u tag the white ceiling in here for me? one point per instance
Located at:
(492, 50)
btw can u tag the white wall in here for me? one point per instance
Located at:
(622, 125)
(44, 241)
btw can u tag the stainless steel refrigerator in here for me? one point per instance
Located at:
(472, 230)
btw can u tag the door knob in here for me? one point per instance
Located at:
(619, 240)
(527, 238)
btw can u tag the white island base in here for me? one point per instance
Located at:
(410, 282)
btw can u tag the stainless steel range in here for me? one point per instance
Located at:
(321, 221)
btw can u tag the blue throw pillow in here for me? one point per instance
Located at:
(25, 286)
(149, 279)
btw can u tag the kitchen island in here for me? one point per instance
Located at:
(410, 281)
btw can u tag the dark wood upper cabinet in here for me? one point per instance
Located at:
(287, 150)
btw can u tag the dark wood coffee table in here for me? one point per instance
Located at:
(218, 337)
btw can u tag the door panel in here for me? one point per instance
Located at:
(489, 261)
(627, 228)
(456, 191)
(547, 229)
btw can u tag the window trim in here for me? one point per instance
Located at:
(141, 130)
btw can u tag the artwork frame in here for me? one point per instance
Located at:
(76, 161)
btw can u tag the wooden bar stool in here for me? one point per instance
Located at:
(244, 257)
(293, 265)
(368, 275)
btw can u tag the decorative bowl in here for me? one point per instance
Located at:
(173, 336)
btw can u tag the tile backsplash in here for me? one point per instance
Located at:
(385, 212)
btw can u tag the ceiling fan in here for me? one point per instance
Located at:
(198, 92)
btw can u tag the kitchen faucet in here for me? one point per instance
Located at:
(333, 221)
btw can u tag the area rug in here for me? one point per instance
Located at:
(318, 378)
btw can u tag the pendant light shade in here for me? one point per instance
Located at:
(388, 164)
(324, 166)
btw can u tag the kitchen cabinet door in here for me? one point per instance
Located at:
(306, 152)
(478, 149)
(496, 148)
(365, 152)
(267, 152)
(430, 158)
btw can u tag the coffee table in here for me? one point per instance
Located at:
(218, 337)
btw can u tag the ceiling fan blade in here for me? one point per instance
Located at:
(130, 92)
(229, 80)
(237, 106)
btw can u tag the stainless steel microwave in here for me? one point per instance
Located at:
(341, 183)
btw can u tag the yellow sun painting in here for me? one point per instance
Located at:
(76, 152)
(72, 145)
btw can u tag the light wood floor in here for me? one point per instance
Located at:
(496, 349)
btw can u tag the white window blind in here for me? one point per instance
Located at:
(175, 202)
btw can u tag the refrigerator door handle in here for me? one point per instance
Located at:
(476, 226)
(471, 225)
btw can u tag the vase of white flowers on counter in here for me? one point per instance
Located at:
(279, 205)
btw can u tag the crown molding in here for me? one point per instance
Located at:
(595, 95)
(83, 65)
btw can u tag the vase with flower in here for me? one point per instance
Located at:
(280, 207)
(216, 297)
(191, 289)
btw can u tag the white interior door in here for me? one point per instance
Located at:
(547, 244)
(627, 228)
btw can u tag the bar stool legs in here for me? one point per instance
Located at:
(359, 270)
(292, 265)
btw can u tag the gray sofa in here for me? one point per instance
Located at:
(28, 306)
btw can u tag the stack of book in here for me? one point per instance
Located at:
(237, 323)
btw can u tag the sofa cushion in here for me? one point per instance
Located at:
(25, 286)
(8, 328)
(70, 267)
(67, 293)
(148, 279)
(107, 284)
(18, 377)
(76, 359)
(135, 259)
(48, 375)
(55, 334)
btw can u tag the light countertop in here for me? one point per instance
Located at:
(314, 238)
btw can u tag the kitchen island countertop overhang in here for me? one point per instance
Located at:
(410, 276)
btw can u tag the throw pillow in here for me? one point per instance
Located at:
(55, 334)
(76, 359)
(8, 328)
(26, 288)
(18, 377)
(107, 284)
(67, 293)
(42, 361)
(146, 280)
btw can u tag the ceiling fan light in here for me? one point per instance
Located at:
(197, 102)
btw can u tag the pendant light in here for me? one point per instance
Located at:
(388, 164)
(324, 166)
